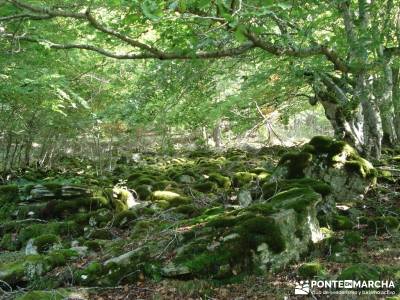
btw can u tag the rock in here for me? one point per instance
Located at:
(121, 198)
(40, 192)
(30, 248)
(172, 270)
(125, 259)
(244, 198)
(185, 179)
(334, 162)
(264, 236)
(80, 250)
(74, 191)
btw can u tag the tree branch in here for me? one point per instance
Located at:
(25, 16)
(301, 52)
(229, 52)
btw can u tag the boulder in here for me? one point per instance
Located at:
(334, 162)
(264, 236)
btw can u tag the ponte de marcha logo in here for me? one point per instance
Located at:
(302, 287)
(350, 287)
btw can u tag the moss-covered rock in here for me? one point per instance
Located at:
(144, 191)
(125, 218)
(311, 269)
(100, 233)
(45, 242)
(241, 179)
(272, 188)
(222, 181)
(333, 162)
(205, 187)
(9, 193)
(167, 199)
(121, 198)
(261, 236)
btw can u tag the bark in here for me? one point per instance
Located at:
(396, 101)
(217, 135)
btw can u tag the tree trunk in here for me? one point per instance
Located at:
(217, 135)
(396, 100)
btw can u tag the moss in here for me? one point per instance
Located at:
(144, 191)
(222, 181)
(360, 272)
(205, 187)
(7, 210)
(55, 188)
(9, 193)
(144, 180)
(57, 228)
(90, 275)
(223, 221)
(208, 263)
(101, 234)
(242, 178)
(119, 197)
(187, 209)
(263, 177)
(93, 245)
(321, 144)
(45, 242)
(141, 227)
(125, 218)
(257, 230)
(164, 195)
(352, 239)
(297, 198)
(259, 171)
(135, 175)
(341, 223)
(361, 167)
(44, 295)
(295, 162)
(167, 199)
(310, 270)
(383, 224)
(8, 242)
(270, 189)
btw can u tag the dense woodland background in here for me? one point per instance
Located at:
(212, 103)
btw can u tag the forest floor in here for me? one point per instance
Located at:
(56, 244)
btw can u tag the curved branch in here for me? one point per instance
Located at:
(301, 52)
(229, 52)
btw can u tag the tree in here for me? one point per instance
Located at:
(347, 51)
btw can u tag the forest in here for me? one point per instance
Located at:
(192, 149)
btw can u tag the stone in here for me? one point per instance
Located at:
(173, 270)
(125, 258)
(30, 248)
(244, 198)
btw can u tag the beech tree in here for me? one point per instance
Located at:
(346, 51)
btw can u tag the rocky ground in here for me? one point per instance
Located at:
(201, 225)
